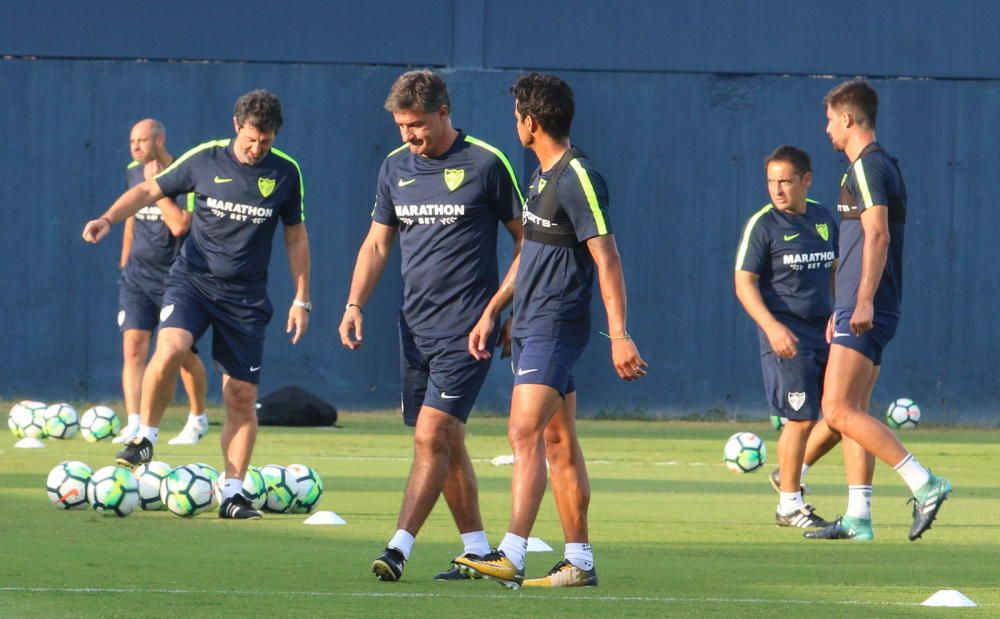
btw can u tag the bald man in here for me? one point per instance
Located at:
(152, 239)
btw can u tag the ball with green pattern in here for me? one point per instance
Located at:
(150, 478)
(281, 488)
(310, 488)
(27, 418)
(745, 452)
(113, 491)
(66, 485)
(99, 423)
(253, 487)
(186, 491)
(61, 421)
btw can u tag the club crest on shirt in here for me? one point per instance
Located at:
(453, 178)
(266, 186)
(796, 399)
(824, 231)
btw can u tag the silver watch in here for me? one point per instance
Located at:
(306, 305)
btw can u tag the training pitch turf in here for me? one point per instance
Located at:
(674, 533)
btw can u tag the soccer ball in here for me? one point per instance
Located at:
(113, 491)
(310, 488)
(903, 414)
(745, 452)
(281, 488)
(28, 417)
(211, 474)
(150, 479)
(778, 422)
(61, 421)
(66, 484)
(99, 423)
(253, 487)
(186, 491)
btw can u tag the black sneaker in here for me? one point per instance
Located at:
(454, 573)
(388, 566)
(805, 517)
(137, 452)
(926, 503)
(238, 507)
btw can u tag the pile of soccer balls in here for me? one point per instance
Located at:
(36, 420)
(184, 490)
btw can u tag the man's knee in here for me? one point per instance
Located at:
(436, 432)
(240, 398)
(135, 346)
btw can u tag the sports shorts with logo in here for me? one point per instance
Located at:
(794, 387)
(546, 360)
(238, 325)
(439, 372)
(138, 306)
(871, 343)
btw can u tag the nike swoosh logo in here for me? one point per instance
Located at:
(840, 334)
(222, 180)
(523, 372)
(254, 369)
(789, 237)
(72, 494)
(403, 183)
(448, 396)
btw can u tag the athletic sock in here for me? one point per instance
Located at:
(514, 548)
(476, 543)
(580, 555)
(148, 432)
(230, 488)
(859, 502)
(805, 469)
(198, 419)
(790, 502)
(133, 420)
(913, 473)
(403, 542)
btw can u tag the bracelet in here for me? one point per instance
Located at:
(616, 337)
(110, 225)
(306, 305)
(350, 305)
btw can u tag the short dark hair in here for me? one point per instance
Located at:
(259, 108)
(547, 99)
(790, 154)
(422, 90)
(858, 97)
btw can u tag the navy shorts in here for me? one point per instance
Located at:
(439, 372)
(238, 326)
(546, 360)
(871, 343)
(138, 307)
(794, 387)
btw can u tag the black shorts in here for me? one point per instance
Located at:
(794, 387)
(546, 360)
(138, 306)
(871, 343)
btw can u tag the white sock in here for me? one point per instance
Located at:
(476, 543)
(859, 502)
(133, 420)
(805, 469)
(149, 432)
(514, 548)
(580, 555)
(913, 473)
(790, 502)
(198, 418)
(230, 488)
(403, 542)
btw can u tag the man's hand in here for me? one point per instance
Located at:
(96, 229)
(298, 322)
(782, 340)
(352, 322)
(151, 169)
(861, 319)
(479, 338)
(626, 359)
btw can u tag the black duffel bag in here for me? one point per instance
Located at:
(294, 406)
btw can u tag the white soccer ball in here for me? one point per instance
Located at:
(61, 421)
(151, 477)
(27, 418)
(745, 452)
(903, 414)
(309, 488)
(212, 474)
(113, 491)
(253, 487)
(66, 484)
(99, 423)
(186, 491)
(281, 488)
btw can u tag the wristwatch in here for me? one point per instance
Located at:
(306, 305)
(350, 305)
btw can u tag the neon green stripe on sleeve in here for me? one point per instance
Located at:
(194, 151)
(503, 159)
(190, 204)
(588, 190)
(132, 165)
(302, 183)
(397, 150)
(859, 173)
(741, 254)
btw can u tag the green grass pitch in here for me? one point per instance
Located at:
(674, 534)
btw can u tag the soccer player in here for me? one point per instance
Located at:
(444, 193)
(242, 188)
(153, 237)
(567, 236)
(872, 207)
(783, 270)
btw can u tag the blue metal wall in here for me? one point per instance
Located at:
(677, 105)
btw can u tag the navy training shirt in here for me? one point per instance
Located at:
(236, 210)
(154, 248)
(873, 178)
(793, 255)
(554, 284)
(447, 209)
